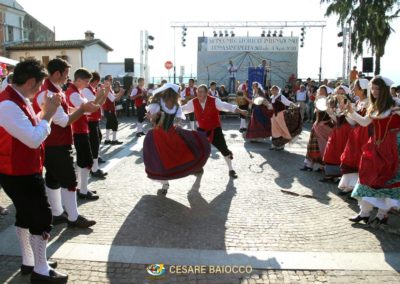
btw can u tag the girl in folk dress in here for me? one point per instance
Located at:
(379, 179)
(358, 137)
(320, 132)
(170, 152)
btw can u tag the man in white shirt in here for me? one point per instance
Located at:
(206, 110)
(139, 96)
(232, 70)
(301, 98)
(213, 90)
(22, 134)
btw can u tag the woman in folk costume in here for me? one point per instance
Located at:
(379, 179)
(338, 138)
(170, 152)
(261, 112)
(320, 131)
(358, 137)
(279, 128)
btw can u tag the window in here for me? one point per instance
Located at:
(10, 31)
(45, 60)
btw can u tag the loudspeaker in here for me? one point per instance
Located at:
(129, 65)
(128, 82)
(368, 65)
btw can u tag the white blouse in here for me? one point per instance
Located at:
(154, 108)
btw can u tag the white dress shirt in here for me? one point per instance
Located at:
(220, 105)
(154, 108)
(87, 93)
(18, 125)
(214, 93)
(232, 69)
(135, 91)
(284, 100)
(60, 117)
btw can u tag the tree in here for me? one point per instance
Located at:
(370, 21)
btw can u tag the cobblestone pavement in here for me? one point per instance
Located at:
(272, 206)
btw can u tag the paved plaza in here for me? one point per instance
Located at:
(284, 223)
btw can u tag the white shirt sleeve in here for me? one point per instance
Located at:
(361, 120)
(285, 101)
(188, 108)
(60, 117)
(111, 96)
(183, 94)
(223, 106)
(153, 108)
(77, 100)
(88, 95)
(18, 125)
(180, 114)
(134, 92)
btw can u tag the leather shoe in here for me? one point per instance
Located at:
(88, 196)
(63, 218)
(98, 174)
(233, 174)
(116, 142)
(53, 277)
(107, 142)
(82, 223)
(26, 269)
(101, 161)
(358, 219)
(305, 168)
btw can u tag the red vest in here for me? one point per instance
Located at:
(208, 118)
(94, 116)
(109, 105)
(59, 136)
(187, 92)
(17, 159)
(139, 100)
(81, 125)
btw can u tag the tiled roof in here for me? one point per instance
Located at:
(59, 44)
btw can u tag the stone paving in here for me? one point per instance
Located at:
(272, 206)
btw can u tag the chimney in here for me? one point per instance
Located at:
(89, 35)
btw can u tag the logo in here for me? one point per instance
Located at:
(156, 269)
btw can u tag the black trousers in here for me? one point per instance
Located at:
(29, 197)
(191, 116)
(111, 120)
(219, 141)
(95, 138)
(141, 112)
(83, 151)
(60, 171)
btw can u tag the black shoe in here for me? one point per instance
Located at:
(305, 169)
(88, 196)
(241, 130)
(26, 269)
(199, 172)
(81, 223)
(319, 170)
(63, 218)
(116, 142)
(107, 142)
(54, 277)
(233, 174)
(98, 174)
(101, 161)
(358, 219)
(325, 179)
(344, 193)
(140, 134)
(279, 149)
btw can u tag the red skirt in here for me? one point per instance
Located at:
(175, 153)
(351, 156)
(260, 122)
(336, 144)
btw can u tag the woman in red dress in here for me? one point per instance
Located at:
(338, 139)
(320, 132)
(379, 179)
(170, 152)
(358, 137)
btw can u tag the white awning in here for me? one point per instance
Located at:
(8, 61)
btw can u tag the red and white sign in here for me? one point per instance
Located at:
(168, 65)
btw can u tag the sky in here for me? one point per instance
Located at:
(119, 22)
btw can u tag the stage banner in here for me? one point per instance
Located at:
(256, 74)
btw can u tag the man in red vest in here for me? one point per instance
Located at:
(206, 110)
(187, 94)
(22, 134)
(80, 130)
(109, 111)
(59, 163)
(90, 93)
(138, 95)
